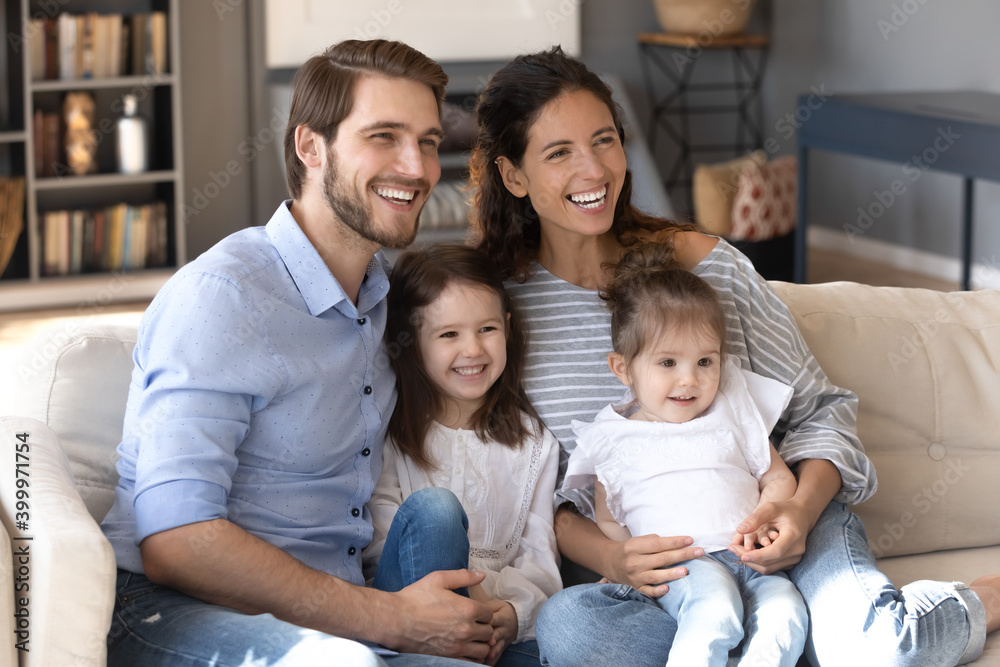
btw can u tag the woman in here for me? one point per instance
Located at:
(553, 208)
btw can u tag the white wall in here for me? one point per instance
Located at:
(857, 46)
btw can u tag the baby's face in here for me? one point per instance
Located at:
(676, 377)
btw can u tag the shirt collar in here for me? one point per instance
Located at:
(319, 288)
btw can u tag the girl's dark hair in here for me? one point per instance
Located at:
(419, 277)
(651, 294)
(506, 226)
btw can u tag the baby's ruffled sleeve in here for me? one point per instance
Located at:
(592, 456)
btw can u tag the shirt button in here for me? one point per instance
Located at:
(351, 551)
(362, 321)
(355, 512)
(366, 452)
(368, 390)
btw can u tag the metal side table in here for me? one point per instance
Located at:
(675, 57)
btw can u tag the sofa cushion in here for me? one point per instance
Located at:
(926, 368)
(70, 566)
(75, 379)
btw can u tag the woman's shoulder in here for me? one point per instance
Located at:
(691, 248)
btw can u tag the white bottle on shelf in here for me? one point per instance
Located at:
(133, 155)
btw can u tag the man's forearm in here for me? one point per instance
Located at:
(220, 563)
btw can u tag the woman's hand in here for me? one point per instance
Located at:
(504, 629)
(780, 528)
(819, 481)
(646, 563)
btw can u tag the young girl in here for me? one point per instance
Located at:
(687, 453)
(462, 423)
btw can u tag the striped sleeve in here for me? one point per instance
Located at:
(566, 375)
(820, 421)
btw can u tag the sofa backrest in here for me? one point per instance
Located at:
(76, 379)
(926, 368)
(925, 365)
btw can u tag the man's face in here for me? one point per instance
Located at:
(383, 161)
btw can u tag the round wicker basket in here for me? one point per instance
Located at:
(715, 17)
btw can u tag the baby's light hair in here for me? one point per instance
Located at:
(650, 294)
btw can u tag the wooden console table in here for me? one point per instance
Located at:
(956, 132)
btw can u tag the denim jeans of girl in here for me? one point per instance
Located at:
(856, 615)
(429, 533)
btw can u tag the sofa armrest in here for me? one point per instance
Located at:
(65, 568)
(8, 624)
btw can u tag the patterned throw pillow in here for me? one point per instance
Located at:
(765, 201)
(714, 188)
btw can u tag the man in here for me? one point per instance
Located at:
(258, 405)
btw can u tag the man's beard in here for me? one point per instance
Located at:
(352, 209)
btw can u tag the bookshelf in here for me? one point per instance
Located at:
(29, 280)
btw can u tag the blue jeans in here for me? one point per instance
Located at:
(156, 626)
(856, 615)
(430, 532)
(708, 605)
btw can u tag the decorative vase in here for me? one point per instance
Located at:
(131, 148)
(715, 17)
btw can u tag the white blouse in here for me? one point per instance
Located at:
(507, 495)
(697, 478)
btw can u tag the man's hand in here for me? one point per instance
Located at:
(504, 629)
(645, 563)
(787, 526)
(434, 619)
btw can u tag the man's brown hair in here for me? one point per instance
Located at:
(323, 89)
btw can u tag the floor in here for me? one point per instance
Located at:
(824, 266)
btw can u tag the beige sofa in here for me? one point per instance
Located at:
(926, 366)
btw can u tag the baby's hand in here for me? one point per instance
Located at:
(762, 537)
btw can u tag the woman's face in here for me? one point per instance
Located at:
(573, 167)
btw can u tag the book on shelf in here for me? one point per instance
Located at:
(51, 145)
(119, 237)
(36, 48)
(37, 142)
(51, 48)
(66, 46)
(11, 217)
(92, 45)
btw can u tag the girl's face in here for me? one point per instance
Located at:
(675, 378)
(573, 168)
(463, 342)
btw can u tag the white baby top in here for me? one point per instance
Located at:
(699, 478)
(507, 495)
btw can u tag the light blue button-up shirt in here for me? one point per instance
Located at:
(259, 395)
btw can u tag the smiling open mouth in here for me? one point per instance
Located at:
(469, 370)
(400, 197)
(590, 200)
